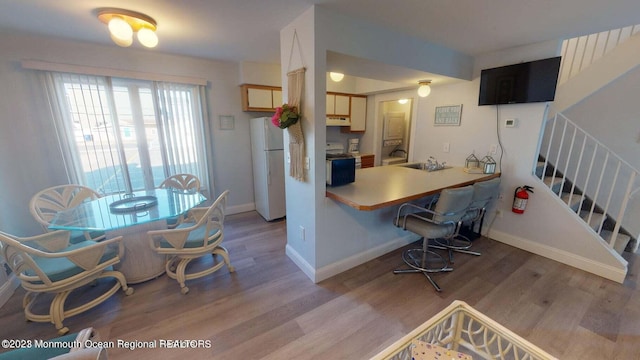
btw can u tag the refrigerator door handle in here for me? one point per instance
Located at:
(268, 171)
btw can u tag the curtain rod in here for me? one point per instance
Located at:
(91, 70)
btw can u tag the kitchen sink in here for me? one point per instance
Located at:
(419, 166)
(424, 166)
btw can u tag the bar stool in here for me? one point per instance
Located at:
(483, 193)
(443, 221)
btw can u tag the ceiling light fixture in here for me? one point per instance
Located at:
(403, 101)
(336, 76)
(123, 23)
(424, 90)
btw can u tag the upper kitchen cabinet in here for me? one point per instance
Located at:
(338, 104)
(260, 97)
(358, 115)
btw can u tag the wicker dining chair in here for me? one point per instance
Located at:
(185, 182)
(48, 263)
(193, 240)
(46, 203)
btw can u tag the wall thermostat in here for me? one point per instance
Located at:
(510, 123)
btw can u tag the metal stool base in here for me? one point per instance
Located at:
(425, 262)
(458, 244)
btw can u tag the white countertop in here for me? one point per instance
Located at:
(383, 186)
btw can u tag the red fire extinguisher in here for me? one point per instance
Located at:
(520, 198)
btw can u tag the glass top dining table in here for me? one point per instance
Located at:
(119, 211)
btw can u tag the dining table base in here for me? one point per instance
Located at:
(139, 263)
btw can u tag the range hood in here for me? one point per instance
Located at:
(338, 121)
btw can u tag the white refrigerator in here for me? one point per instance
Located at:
(268, 168)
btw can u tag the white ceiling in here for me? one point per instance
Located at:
(248, 30)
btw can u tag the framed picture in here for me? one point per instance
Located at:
(448, 115)
(227, 122)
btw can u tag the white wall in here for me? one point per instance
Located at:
(260, 73)
(303, 195)
(29, 156)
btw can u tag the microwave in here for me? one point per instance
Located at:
(341, 171)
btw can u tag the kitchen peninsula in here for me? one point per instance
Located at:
(383, 186)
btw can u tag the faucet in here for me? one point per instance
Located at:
(432, 164)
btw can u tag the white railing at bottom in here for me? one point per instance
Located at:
(595, 171)
(580, 52)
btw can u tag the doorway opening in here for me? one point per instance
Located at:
(396, 130)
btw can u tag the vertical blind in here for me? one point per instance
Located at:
(123, 135)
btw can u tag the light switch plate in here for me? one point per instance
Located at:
(493, 149)
(445, 147)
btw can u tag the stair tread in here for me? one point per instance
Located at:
(621, 240)
(539, 169)
(596, 219)
(575, 200)
(554, 184)
(549, 179)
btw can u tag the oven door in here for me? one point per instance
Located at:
(341, 171)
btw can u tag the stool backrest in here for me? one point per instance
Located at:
(484, 192)
(452, 204)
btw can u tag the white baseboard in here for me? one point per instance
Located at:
(337, 267)
(306, 268)
(7, 289)
(237, 209)
(606, 271)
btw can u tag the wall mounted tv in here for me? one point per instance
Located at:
(533, 81)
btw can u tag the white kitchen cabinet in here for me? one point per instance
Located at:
(338, 104)
(260, 97)
(358, 114)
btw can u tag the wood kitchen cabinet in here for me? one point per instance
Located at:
(260, 97)
(338, 104)
(367, 161)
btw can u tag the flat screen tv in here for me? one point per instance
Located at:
(528, 82)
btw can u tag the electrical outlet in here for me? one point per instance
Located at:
(445, 147)
(307, 163)
(288, 158)
(301, 233)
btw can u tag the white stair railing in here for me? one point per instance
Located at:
(595, 172)
(580, 52)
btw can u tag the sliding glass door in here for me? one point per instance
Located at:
(123, 135)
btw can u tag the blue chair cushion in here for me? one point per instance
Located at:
(62, 268)
(195, 237)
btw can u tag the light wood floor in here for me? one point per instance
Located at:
(269, 309)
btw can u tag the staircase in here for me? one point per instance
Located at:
(595, 183)
(584, 207)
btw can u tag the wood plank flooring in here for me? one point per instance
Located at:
(268, 309)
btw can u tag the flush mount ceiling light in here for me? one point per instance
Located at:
(336, 76)
(123, 23)
(403, 101)
(424, 90)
